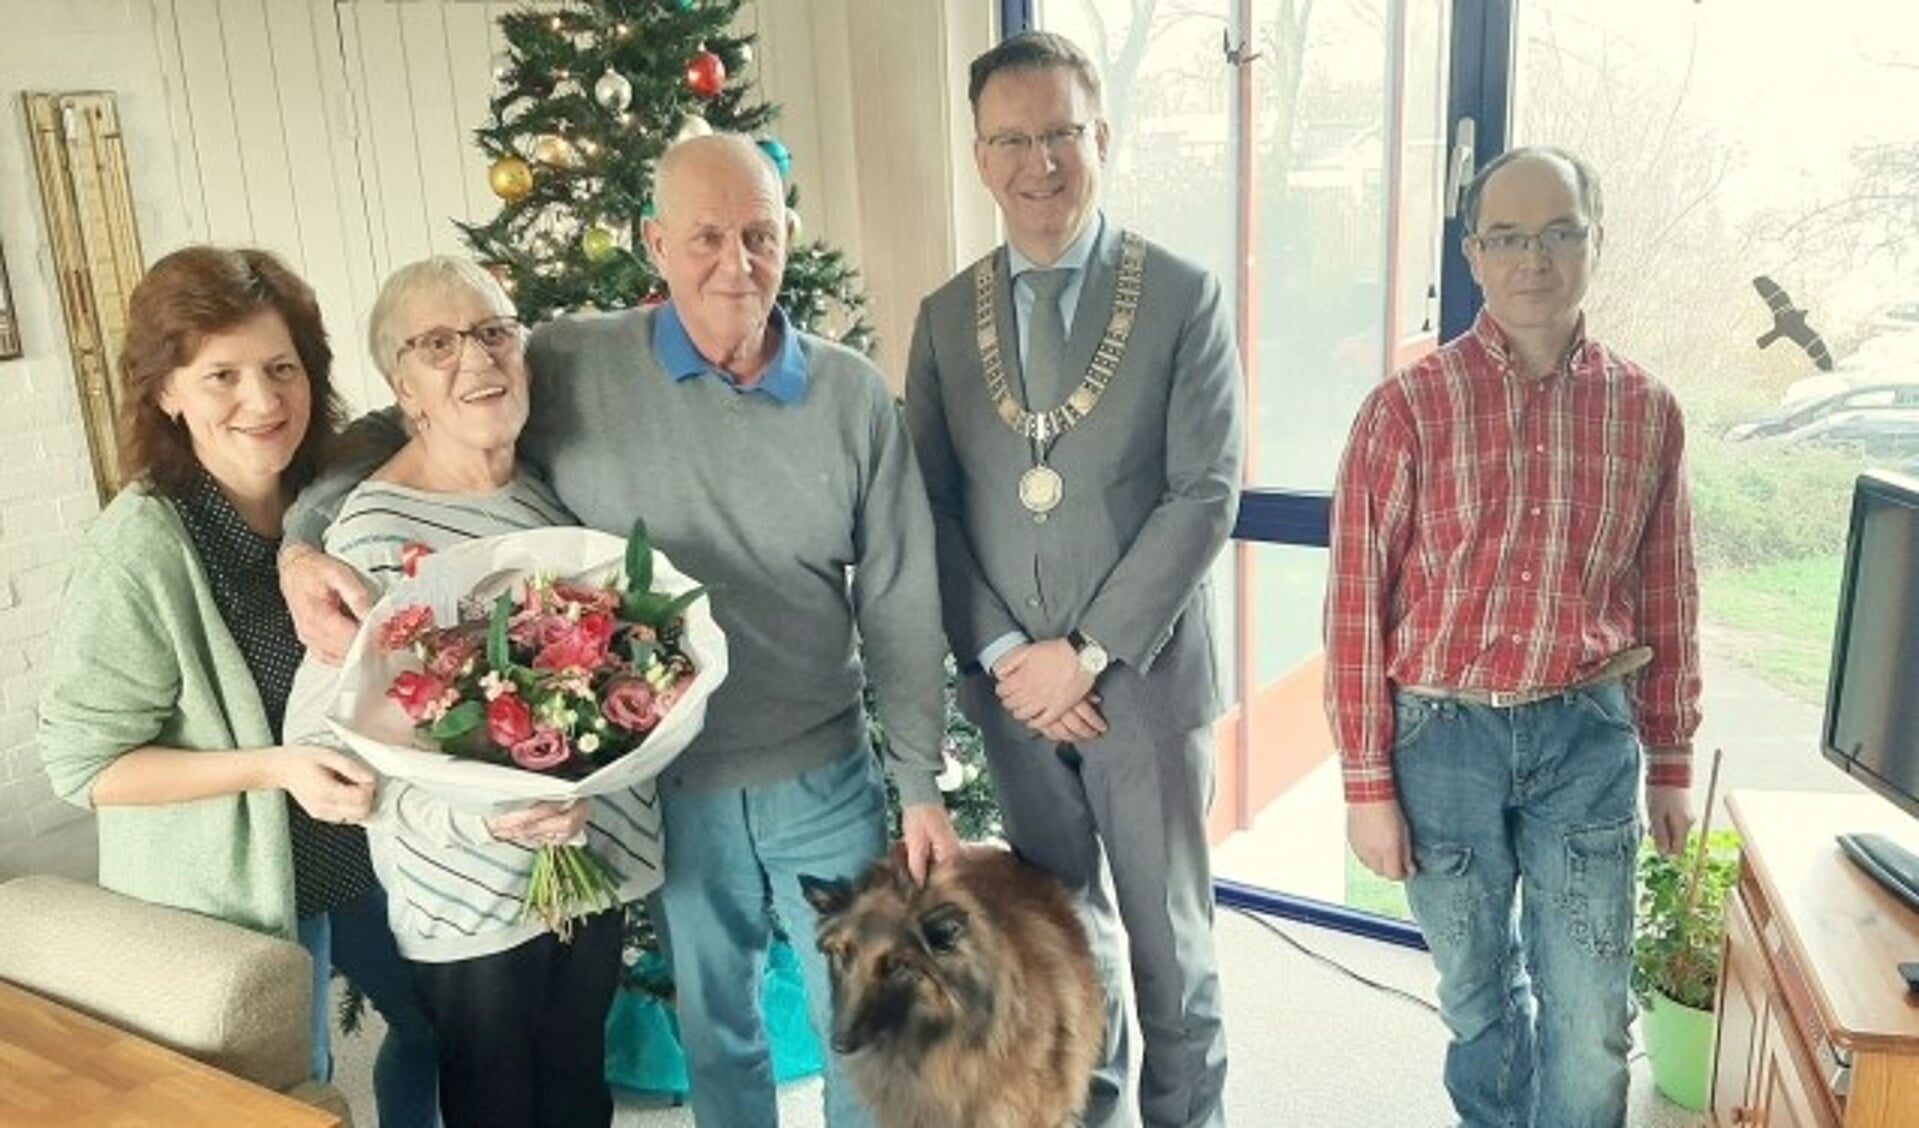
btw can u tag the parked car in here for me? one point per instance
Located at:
(1878, 411)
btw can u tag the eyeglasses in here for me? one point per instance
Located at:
(440, 347)
(1013, 143)
(1555, 241)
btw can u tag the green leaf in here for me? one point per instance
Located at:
(656, 608)
(458, 721)
(678, 605)
(497, 654)
(639, 559)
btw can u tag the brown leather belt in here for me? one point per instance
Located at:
(1625, 662)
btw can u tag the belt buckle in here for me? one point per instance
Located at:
(1506, 698)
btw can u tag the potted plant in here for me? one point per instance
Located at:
(1677, 949)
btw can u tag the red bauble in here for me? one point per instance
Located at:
(705, 74)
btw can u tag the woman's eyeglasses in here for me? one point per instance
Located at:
(440, 347)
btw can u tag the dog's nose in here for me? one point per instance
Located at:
(844, 1043)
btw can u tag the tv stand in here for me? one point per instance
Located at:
(1815, 1028)
(1890, 864)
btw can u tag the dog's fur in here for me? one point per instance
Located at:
(969, 1002)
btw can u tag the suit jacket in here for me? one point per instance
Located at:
(1151, 479)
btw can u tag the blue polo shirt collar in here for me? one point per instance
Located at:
(784, 379)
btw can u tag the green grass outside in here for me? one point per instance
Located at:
(1778, 620)
(1369, 892)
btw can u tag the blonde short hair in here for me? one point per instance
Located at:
(436, 275)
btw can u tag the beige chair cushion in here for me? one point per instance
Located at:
(230, 997)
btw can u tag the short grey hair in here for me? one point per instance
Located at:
(1585, 182)
(437, 275)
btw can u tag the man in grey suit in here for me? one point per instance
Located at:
(1074, 399)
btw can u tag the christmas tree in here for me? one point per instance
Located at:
(588, 98)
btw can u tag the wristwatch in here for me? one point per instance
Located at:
(1092, 656)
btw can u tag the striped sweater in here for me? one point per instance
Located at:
(453, 891)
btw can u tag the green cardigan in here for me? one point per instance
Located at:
(141, 656)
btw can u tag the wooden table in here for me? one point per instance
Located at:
(59, 1067)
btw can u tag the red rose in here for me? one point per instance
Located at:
(581, 647)
(411, 553)
(450, 657)
(407, 624)
(629, 704)
(419, 694)
(546, 748)
(508, 720)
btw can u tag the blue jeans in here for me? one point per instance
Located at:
(726, 850)
(356, 939)
(1535, 805)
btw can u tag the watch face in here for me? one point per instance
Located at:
(1092, 658)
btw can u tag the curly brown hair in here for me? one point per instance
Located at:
(183, 299)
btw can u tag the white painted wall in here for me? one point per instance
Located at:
(335, 132)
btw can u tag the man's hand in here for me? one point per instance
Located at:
(1039, 683)
(331, 786)
(1081, 723)
(927, 836)
(1379, 836)
(542, 824)
(327, 599)
(1668, 817)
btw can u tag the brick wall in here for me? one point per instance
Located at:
(46, 481)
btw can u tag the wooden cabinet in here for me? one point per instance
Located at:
(1815, 1027)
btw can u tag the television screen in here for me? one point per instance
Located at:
(1872, 700)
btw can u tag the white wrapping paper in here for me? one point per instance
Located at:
(376, 728)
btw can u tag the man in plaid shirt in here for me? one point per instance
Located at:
(1512, 615)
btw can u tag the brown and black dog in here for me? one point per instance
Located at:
(969, 1002)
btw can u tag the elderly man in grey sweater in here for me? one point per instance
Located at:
(774, 467)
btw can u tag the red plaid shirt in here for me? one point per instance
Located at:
(1495, 533)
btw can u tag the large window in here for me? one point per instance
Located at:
(1297, 150)
(1753, 158)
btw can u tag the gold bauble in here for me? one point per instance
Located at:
(555, 151)
(511, 179)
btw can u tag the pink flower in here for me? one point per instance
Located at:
(509, 721)
(421, 695)
(546, 748)
(450, 657)
(629, 704)
(407, 624)
(665, 699)
(411, 553)
(581, 647)
(589, 599)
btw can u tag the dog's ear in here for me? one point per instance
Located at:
(944, 927)
(828, 897)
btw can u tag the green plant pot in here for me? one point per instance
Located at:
(1679, 1043)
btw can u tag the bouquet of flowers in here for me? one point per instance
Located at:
(487, 678)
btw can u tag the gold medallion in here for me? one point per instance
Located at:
(1040, 489)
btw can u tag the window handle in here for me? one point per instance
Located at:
(1460, 163)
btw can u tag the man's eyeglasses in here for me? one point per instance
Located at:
(1563, 239)
(1013, 143)
(440, 347)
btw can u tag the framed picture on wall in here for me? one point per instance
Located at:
(9, 320)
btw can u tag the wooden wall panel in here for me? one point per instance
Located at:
(212, 138)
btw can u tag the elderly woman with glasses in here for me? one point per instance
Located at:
(175, 655)
(520, 1014)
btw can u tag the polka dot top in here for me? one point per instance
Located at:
(330, 862)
